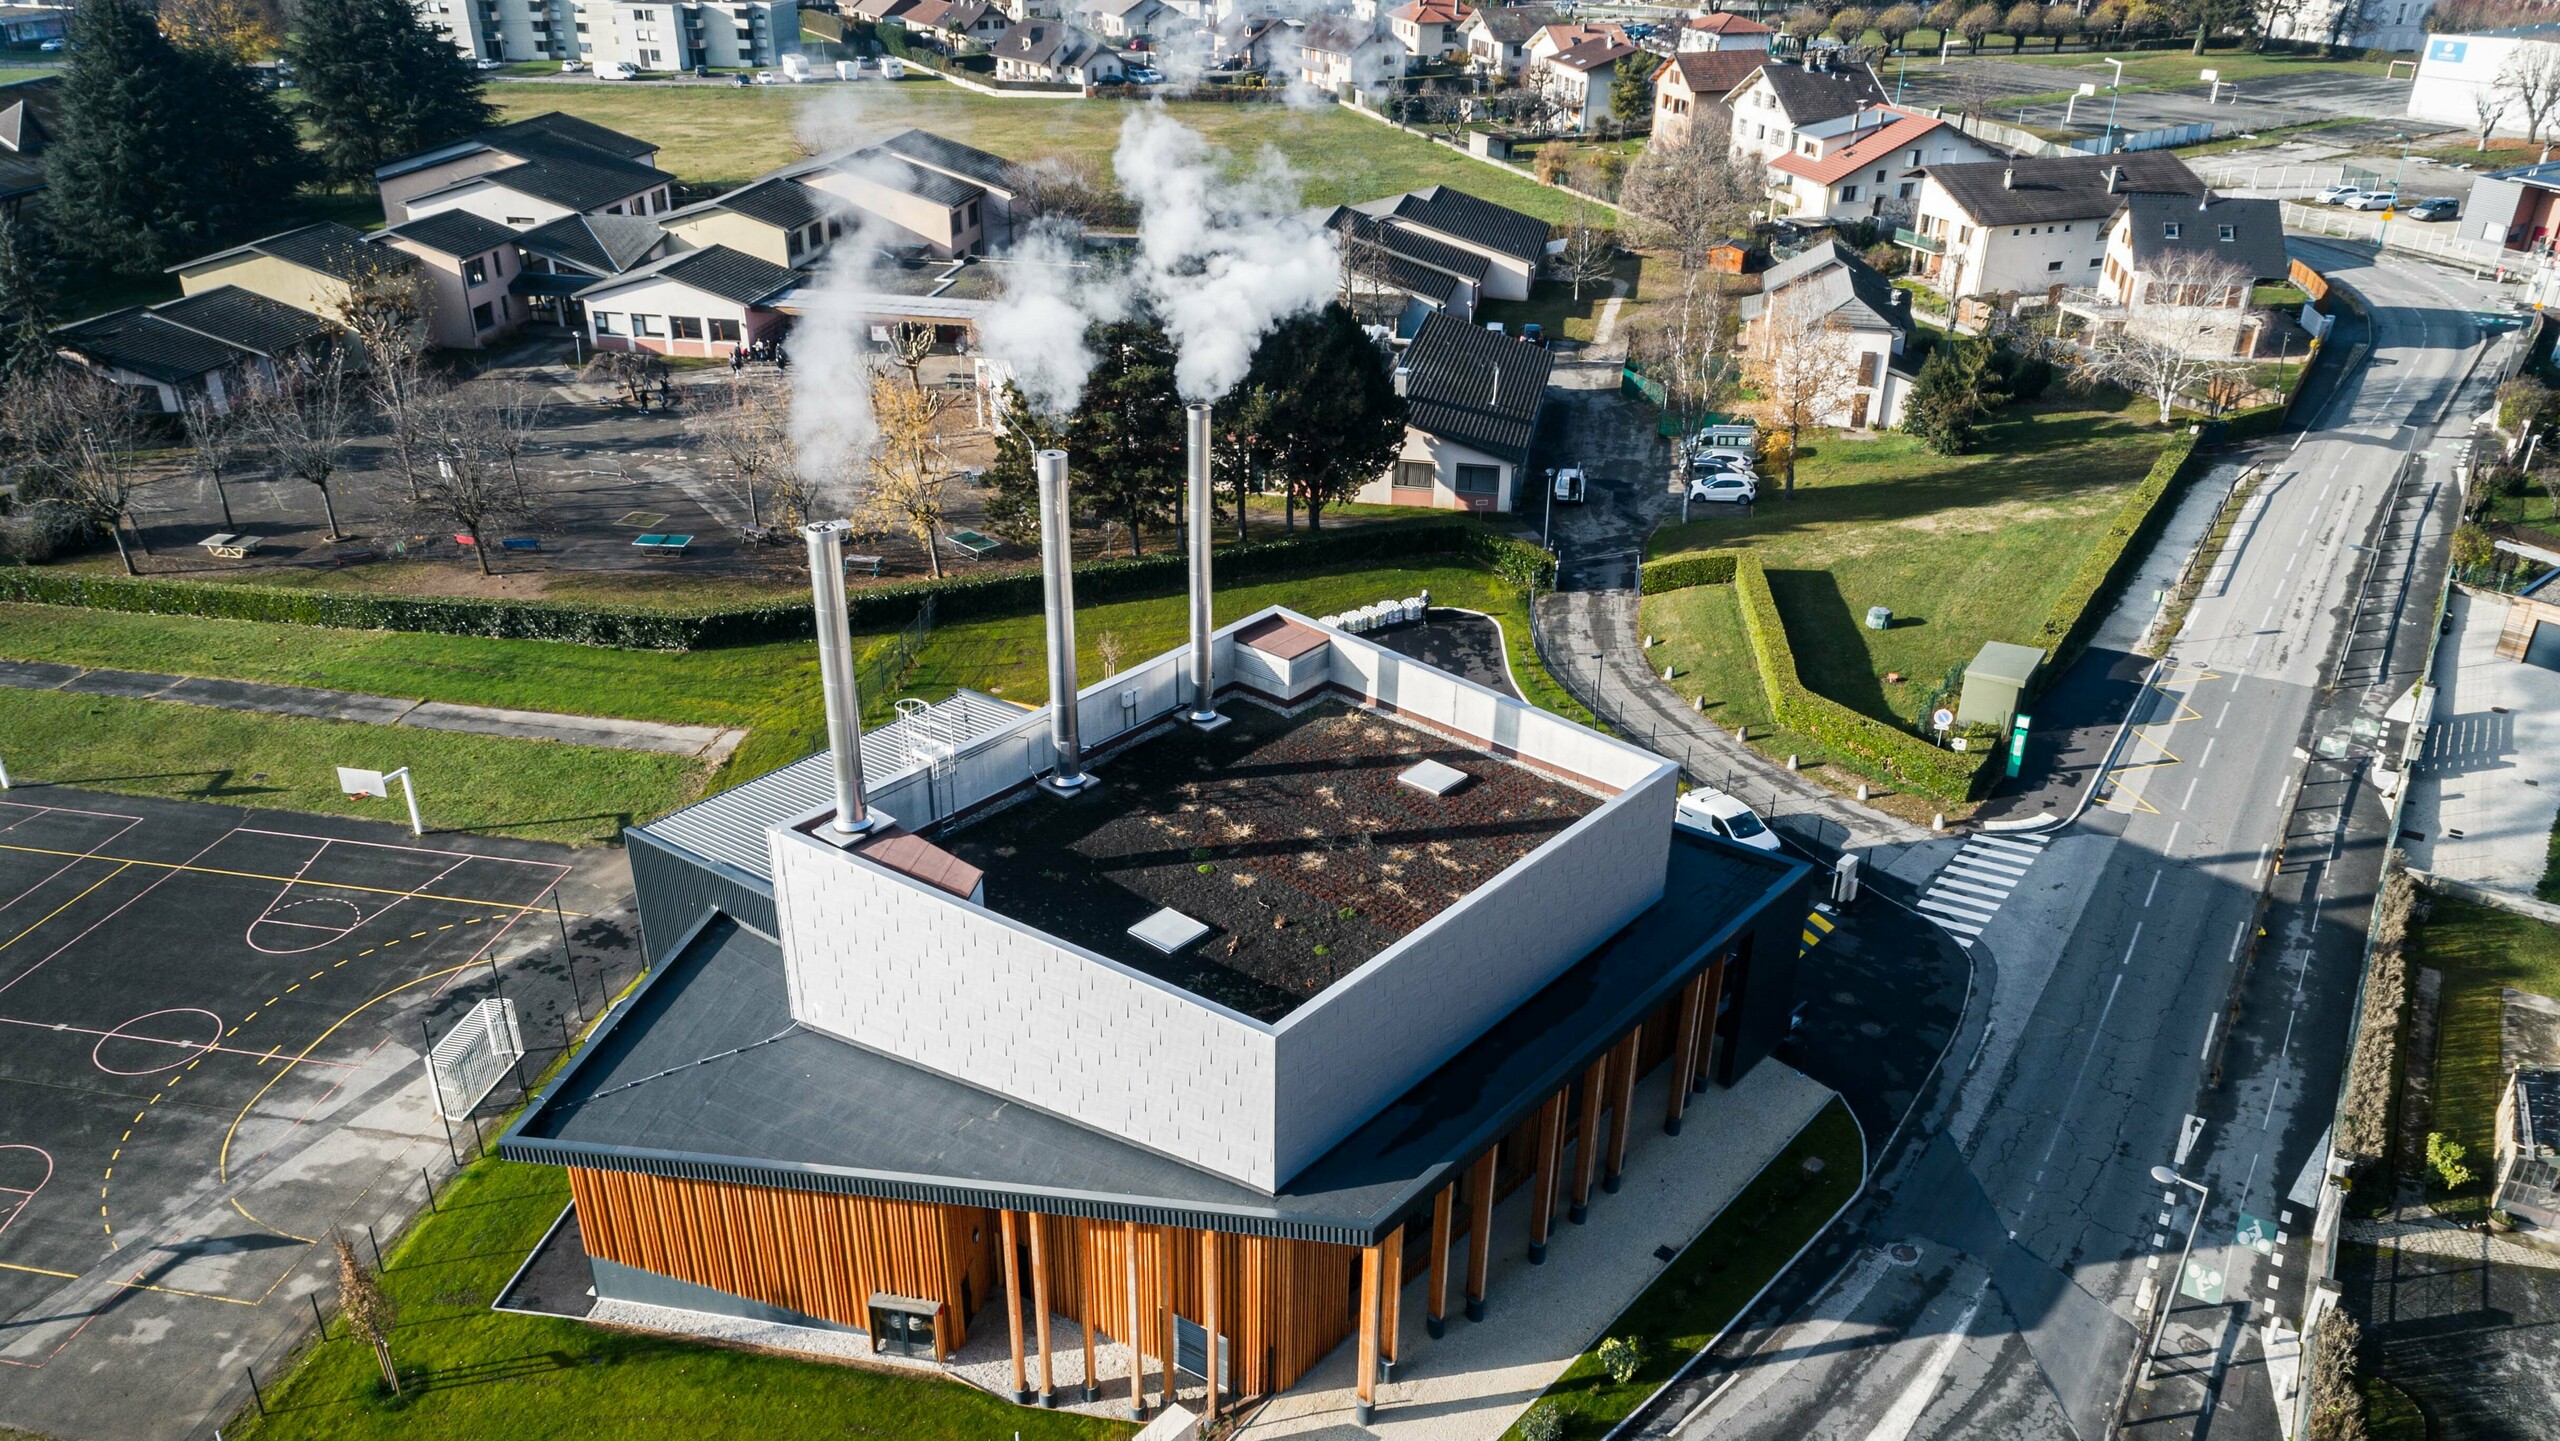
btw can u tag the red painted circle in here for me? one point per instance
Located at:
(151, 1045)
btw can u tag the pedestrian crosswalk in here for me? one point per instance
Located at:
(1967, 894)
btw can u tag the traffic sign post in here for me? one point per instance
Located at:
(1941, 720)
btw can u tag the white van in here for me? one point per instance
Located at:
(1711, 812)
(617, 70)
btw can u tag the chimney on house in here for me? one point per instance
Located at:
(2009, 177)
(1057, 573)
(1204, 711)
(2115, 178)
(835, 679)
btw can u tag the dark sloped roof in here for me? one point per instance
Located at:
(2256, 245)
(1810, 95)
(1467, 384)
(1043, 42)
(134, 339)
(20, 175)
(327, 247)
(1514, 24)
(879, 165)
(573, 176)
(597, 244)
(552, 125)
(1455, 213)
(28, 114)
(1851, 290)
(1413, 262)
(245, 319)
(715, 270)
(2069, 187)
(779, 202)
(1714, 73)
(951, 157)
(457, 233)
(1593, 53)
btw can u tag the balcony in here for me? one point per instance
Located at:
(1918, 241)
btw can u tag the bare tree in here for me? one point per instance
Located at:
(2178, 331)
(2532, 75)
(368, 1309)
(1689, 346)
(385, 312)
(306, 424)
(1590, 253)
(907, 482)
(76, 439)
(910, 346)
(473, 486)
(1808, 366)
(1368, 281)
(2489, 105)
(746, 427)
(515, 414)
(1686, 197)
(216, 443)
(636, 373)
(1068, 188)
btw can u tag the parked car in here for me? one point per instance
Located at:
(572, 67)
(1535, 334)
(766, 77)
(1496, 327)
(1725, 488)
(1570, 487)
(1711, 812)
(2436, 207)
(1720, 462)
(741, 80)
(2372, 200)
(618, 70)
(702, 72)
(2338, 195)
(488, 64)
(51, 47)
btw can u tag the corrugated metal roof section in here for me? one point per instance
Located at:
(729, 827)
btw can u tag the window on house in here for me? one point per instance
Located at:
(648, 327)
(1848, 192)
(2013, 232)
(1964, 234)
(1415, 475)
(2053, 265)
(2066, 230)
(1915, 157)
(1868, 365)
(2169, 230)
(607, 323)
(1879, 177)
(2229, 234)
(1905, 192)
(1479, 479)
(2093, 262)
(520, 222)
(685, 327)
(725, 331)
(791, 243)
(969, 217)
(475, 271)
(483, 316)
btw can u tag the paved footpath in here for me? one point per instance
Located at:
(711, 743)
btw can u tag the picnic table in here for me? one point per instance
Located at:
(978, 546)
(870, 563)
(664, 544)
(227, 546)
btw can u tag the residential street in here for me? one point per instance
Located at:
(2004, 1280)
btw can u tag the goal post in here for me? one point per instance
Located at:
(465, 1066)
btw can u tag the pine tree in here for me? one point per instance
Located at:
(26, 304)
(378, 83)
(1954, 391)
(1013, 483)
(1322, 403)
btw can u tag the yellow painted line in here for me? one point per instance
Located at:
(1820, 921)
(66, 905)
(39, 1271)
(279, 1230)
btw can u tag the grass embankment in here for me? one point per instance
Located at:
(471, 1373)
(533, 788)
(2479, 952)
(1700, 1293)
(721, 136)
(1963, 549)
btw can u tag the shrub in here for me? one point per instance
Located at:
(2364, 1113)
(2076, 611)
(1679, 572)
(44, 530)
(1542, 1422)
(2444, 1157)
(1622, 1357)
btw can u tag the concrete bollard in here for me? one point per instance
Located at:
(1698, 703)
(1938, 822)
(1862, 790)
(1666, 672)
(1791, 760)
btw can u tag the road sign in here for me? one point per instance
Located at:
(2257, 1233)
(2203, 1280)
(1941, 718)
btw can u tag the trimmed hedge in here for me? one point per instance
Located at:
(637, 628)
(2077, 611)
(1679, 572)
(1907, 760)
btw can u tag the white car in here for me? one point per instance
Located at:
(1729, 489)
(2372, 200)
(2338, 195)
(572, 67)
(1720, 462)
(1570, 486)
(1710, 812)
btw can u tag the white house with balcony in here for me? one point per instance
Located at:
(2026, 225)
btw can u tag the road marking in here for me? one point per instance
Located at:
(2154, 891)
(2130, 943)
(1898, 1422)
(1968, 890)
(2212, 1024)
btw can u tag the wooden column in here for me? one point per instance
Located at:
(1684, 1054)
(1372, 1273)
(1137, 1347)
(1542, 1199)
(1435, 1313)
(1391, 1310)
(1622, 1100)
(1480, 1228)
(1089, 1278)
(1712, 984)
(1586, 1145)
(1013, 1304)
(1164, 1306)
(1040, 1297)
(1209, 1303)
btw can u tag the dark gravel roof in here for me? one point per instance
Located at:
(1478, 222)
(245, 319)
(139, 341)
(1467, 384)
(2256, 244)
(715, 270)
(327, 247)
(598, 244)
(457, 233)
(701, 1072)
(1810, 95)
(951, 157)
(2072, 187)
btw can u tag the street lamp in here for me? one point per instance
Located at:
(1546, 527)
(2115, 92)
(2086, 89)
(2405, 143)
(2168, 1177)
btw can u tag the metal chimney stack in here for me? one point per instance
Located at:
(1204, 712)
(1057, 571)
(835, 677)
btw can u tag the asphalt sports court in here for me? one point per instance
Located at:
(189, 997)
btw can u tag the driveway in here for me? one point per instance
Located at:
(2488, 787)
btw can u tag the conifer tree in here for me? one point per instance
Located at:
(378, 83)
(26, 304)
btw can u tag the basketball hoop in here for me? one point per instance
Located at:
(360, 784)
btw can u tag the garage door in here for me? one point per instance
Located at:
(2544, 649)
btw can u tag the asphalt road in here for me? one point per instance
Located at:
(2006, 1278)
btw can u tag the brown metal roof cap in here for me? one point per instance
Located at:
(913, 856)
(1280, 636)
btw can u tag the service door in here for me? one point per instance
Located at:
(2544, 649)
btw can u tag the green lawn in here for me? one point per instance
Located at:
(581, 795)
(725, 135)
(471, 1373)
(1552, 304)
(2479, 951)
(1717, 1275)
(1964, 549)
(1708, 655)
